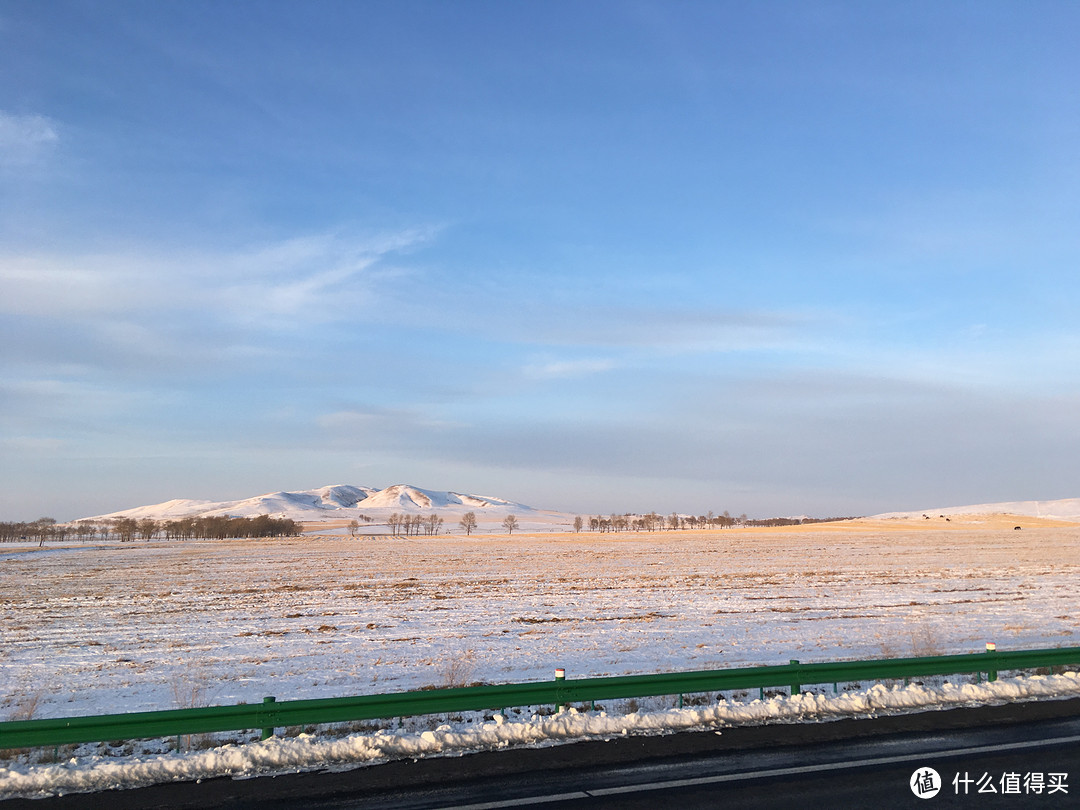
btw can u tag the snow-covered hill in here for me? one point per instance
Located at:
(332, 502)
(1065, 509)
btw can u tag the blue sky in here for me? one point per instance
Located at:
(774, 258)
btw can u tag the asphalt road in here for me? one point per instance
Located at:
(847, 763)
(877, 774)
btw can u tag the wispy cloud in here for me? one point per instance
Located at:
(311, 278)
(612, 325)
(24, 139)
(568, 369)
(149, 318)
(30, 405)
(368, 424)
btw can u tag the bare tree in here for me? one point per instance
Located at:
(42, 528)
(510, 523)
(468, 522)
(125, 529)
(578, 523)
(354, 528)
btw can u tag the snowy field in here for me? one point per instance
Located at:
(102, 629)
(108, 628)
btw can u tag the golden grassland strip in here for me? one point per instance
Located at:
(933, 523)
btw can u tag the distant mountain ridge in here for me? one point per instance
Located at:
(345, 501)
(327, 503)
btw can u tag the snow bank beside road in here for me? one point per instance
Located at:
(307, 752)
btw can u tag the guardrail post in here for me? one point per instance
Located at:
(794, 675)
(268, 732)
(991, 651)
(560, 676)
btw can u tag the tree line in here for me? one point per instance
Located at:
(224, 527)
(653, 522)
(794, 521)
(127, 530)
(40, 529)
(414, 525)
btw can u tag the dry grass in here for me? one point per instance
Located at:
(458, 670)
(191, 689)
(922, 641)
(26, 706)
(925, 642)
(950, 523)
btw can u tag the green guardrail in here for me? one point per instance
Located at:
(271, 713)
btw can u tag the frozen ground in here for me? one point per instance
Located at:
(107, 628)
